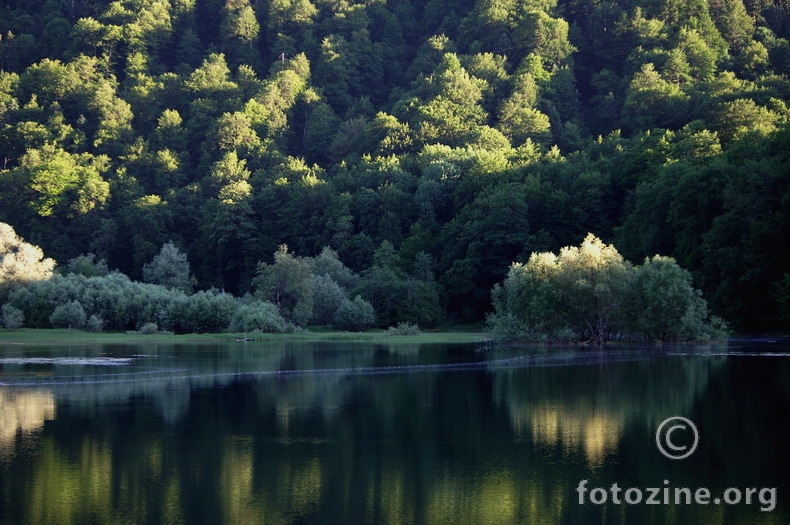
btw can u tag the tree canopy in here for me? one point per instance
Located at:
(591, 293)
(473, 133)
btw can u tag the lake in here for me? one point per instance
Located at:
(296, 433)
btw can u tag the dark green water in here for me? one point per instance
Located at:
(347, 434)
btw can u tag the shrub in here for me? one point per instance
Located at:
(94, 324)
(205, 311)
(286, 283)
(68, 315)
(665, 306)
(404, 329)
(258, 316)
(592, 293)
(327, 298)
(354, 315)
(148, 329)
(85, 265)
(170, 268)
(13, 318)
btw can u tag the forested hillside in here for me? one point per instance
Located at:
(468, 134)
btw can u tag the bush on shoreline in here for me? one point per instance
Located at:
(592, 294)
(116, 303)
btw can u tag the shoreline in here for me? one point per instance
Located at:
(48, 336)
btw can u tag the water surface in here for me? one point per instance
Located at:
(283, 433)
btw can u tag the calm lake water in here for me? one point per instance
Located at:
(361, 433)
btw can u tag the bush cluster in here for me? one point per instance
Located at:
(290, 293)
(114, 302)
(318, 290)
(591, 293)
(404, 329)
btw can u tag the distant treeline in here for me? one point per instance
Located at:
(450, 139)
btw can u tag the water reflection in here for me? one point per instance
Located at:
(365, 434)
(22, 411)
(598, 432)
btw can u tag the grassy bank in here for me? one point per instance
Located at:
(28, 336)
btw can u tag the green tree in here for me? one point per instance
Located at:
(519, 118)
(580, 293)
(68, 315)
(87, 266)
(327, 298)
(261, 316)
(64, 184)
(445, 107)
(355, 315)
(240, 30)
(170, 268)
(286, 284)
(397, 297)
(227, 221)
(592, 293)
(12, 318)
(651, 101)
(665, 306)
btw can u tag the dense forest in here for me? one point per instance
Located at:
(430, 142)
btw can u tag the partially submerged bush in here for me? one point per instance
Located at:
(591, 293)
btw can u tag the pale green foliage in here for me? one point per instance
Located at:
(94, 324)
(261, 316)
(12, 318)
(63, 182)
(651, 101)
(148, 329)
(205, 311)
(665, 305)
(286, 283)
(519, 119)
(240, 22)
(328, 263)
(170, 268)
(445, 107)
(213, 76)
(354, 315)
(404, 329)
(121, 304)
(744, 116)
(20, 262)
(593, 279)
(85, 265)
(68, 315)
(592, 293)
(579, 292)
(327, 298)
